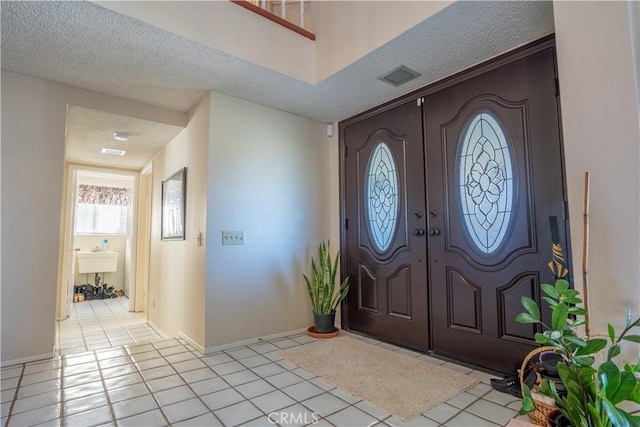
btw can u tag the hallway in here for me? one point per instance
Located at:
(99, 324)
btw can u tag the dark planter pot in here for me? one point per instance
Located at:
(323, 323)
(557, 419)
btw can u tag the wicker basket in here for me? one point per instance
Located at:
(542, 409)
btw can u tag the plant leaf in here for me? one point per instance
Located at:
(592, 346)
(635, 394)
(577, 341)
(633, 420)
(526, 318)
(559, 317)
(550, 290)
(527, 402)
(609, 377)
(584, 360)
(615, 416)
(562, 285)
(531, 307)
(578, 311)
(614, 351)
(612, 333)
(540, 338)
(620, 385)
(632, 338)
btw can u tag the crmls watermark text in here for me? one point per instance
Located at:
(299, 418)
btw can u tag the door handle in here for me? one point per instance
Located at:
(434, 232)
(418, 232)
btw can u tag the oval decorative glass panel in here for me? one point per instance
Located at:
(485, 182)
(381, 196)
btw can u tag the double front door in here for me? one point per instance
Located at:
(447, 202)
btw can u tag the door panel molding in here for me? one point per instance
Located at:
(460, 290)
(508, 296)
(399, 293)
(365, 287)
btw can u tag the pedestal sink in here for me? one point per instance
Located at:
(97, 262)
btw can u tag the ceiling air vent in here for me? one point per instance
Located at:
(399, 76)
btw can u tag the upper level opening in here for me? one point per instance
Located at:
(292, 14)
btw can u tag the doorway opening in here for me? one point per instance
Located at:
(99, 305)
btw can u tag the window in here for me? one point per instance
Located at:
(381, 196)
(485, 182)
(102, 210)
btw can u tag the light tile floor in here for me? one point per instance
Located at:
(167, 382)
(99, 324)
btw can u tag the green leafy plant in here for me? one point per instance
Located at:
(593, 393)
(321, 287)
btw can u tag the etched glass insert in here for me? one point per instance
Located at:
(381, 196)
(486, 182)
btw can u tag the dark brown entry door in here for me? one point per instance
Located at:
(385, 250)
(494, 173)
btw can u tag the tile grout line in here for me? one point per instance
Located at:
(106, 392)
(15, 395)
(188, 385)
(200, 357)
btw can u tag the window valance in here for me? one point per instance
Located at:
(100, 195)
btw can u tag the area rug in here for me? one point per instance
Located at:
(401, 385)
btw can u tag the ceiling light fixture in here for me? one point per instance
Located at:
(113, 151)
(121, 136)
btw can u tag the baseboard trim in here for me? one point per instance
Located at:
(191, 341)
(222, 347)
(43, 356)
(158, 330)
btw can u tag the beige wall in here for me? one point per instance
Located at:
(176, 267)
(227, 27)
(365, 28)
(33, 132)
(268, 176)
(222, 25)
(601, 135)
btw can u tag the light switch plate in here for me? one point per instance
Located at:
(233, 237)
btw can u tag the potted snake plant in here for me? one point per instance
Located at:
(325, 295)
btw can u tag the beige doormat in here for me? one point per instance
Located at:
(401, 385)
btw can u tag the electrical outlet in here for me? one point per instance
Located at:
(233, 237)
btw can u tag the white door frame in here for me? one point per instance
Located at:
(139, 297)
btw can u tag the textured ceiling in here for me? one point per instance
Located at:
(88, 131)
(84, 45)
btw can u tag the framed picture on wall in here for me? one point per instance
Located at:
(174, 194)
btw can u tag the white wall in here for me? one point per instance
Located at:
(346, 31)
(177, 267)
(222, 25)
(269, 177)
(33, 134)
(601, 135)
